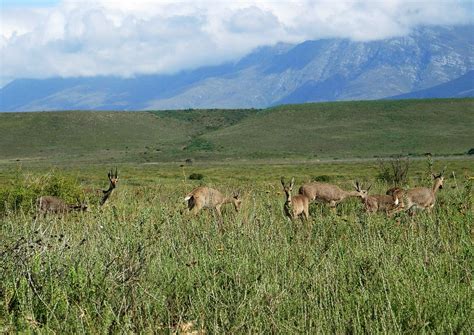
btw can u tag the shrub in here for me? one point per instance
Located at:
(24, 189)
(196, 176)
(394, 171)
(323, 178)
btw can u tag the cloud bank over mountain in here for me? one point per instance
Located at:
(125, 38)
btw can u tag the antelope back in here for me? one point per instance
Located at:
(322, 191)
(50, 204)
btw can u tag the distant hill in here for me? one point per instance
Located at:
(309, 131)
(462, 87)
(323, 70)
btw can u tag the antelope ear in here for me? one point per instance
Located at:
(292, 182)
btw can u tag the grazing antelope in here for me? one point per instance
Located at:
(296, 204)
(376, 203)
(54, 205)
(419, 197)
(113, 179)
(206, 197)
(326, 193)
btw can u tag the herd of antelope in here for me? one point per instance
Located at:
(395, 200)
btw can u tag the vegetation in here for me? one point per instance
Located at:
(337, 130)
(142, 265)
(394, 171)
(22, 190)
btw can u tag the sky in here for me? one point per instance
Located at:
(69, 38)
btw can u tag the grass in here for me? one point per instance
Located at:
(139, 265)
(342, 130)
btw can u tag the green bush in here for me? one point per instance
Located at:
(323, 178)
(393, 171)
(196, 176)
(23, 190)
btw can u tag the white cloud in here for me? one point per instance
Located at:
(123, 37)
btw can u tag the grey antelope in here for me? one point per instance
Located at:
(326, 193)
(294, 205)
(376, 203)
(419, 197)
(206, 197)
(54, 205)
(113, 180)
(104, 194)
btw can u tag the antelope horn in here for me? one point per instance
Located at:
(356, 185)
(116, 173)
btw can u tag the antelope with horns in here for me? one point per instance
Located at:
(294, 205)
(54, 205)
(326, 193)
(113, 180)
(376, 203)
(419, 197)
(206, 197)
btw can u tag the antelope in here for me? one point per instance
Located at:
(296, 204)
(420, 197)
(54, 205)
(206, 197)
(326, 193)
(113, 180)
(376, 203)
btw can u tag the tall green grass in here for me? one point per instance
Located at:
(141, 265)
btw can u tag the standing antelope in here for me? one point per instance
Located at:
(54, 205)
(326, 193)
(420, 197)
(376, 203)
(206, 197)
(296, 204)
(113, 179)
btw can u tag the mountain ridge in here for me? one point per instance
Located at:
(312, 71)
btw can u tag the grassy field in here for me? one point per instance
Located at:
(319, 131)
(141, 265)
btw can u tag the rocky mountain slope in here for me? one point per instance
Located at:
(323, 70)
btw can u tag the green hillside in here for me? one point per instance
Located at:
(353, 129)
(320, 130)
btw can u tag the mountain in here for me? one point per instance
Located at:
(322, 70)
(462, 87)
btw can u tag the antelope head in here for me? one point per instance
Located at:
(113, 178)
(362, 193)
(237, 200)
(439, 179)
(287, 188)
